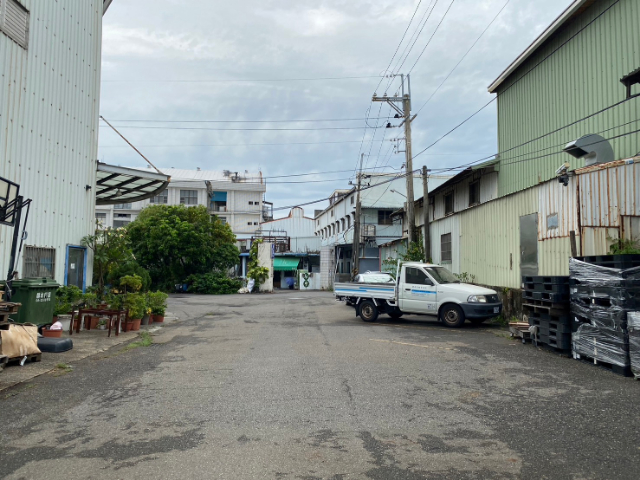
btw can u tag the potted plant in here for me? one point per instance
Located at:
(51, 333)
(158, 305)
(90, 300)
(135, 305)
(102, 324)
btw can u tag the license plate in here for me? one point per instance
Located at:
(496, 309)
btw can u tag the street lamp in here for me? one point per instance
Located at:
(399, 193)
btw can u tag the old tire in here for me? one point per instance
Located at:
(452, 315)
(368, 311)
(395, 313)
(477, 321)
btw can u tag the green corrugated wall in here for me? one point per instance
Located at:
(579, 79)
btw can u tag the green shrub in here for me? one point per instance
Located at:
(131, 283)
(67, 297)
(129, 269)
(216, 283)
(157, 302)
(135, 304)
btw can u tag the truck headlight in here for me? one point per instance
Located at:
(477, 299)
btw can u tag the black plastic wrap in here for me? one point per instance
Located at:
(583, 273)
(614, 318)
(634, 342)
(603, 344)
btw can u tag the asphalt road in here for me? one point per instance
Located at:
(293, 386)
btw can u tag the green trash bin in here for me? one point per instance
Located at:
(37, 296)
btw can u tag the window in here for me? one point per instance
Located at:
(352, 200)
(448, 203)
(249, 223)
(223, 220)
(445, 247)
(255, 223)
(384, 217)
(552, 221)
(162, 197)
(416, 277)
(250, 203)
(189, 197)
(120, 223)
(14, 21)
(332, 213)
(101, 216)
(122, 206)
(474, 193)
(39, 262)
(123, 215)
(349, 222)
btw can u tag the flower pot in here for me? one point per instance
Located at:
(146, 319)
(158, 318)
(51, 333)
(93, 322)
(132, 325)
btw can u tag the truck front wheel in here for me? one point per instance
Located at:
(452, 315)
(368, 311)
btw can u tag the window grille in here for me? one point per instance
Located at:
(445, 247)
(189, 197)
(122, 206)
(448, 203)
(120, 223)
(162, 197)
(384, 217)
(474, 193)
(14, 21)
(39, 262)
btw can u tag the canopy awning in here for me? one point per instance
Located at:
(125, 185)
(285, 264)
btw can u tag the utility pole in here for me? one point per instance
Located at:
(356, 227)
(405, 114)
(425, 212)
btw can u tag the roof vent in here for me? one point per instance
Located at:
(593, 149)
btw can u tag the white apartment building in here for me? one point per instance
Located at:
(236, 198)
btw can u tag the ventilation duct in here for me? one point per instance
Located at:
(593, 149)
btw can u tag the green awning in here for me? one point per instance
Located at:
(285, 264)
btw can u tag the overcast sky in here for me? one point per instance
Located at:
(213, 64)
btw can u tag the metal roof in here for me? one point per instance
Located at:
(125, 185)
(576, 7)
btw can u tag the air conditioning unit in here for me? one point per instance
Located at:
(222, 209)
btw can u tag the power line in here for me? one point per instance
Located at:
(401, 40)
(146, 127)
(464, 56)
(524, 75)
(432, 35)
(414, 36)
(255, 121)
(248, 80)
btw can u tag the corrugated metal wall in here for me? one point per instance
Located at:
(49, 106)
(488, 191)
(442, 227)
(580, 79)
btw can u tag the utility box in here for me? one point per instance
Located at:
(38, 297)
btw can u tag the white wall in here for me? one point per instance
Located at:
(298, 228)
(49, 106)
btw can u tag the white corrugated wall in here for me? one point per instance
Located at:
(49, 106)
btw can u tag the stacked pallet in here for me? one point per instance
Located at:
(604, 289)
(545, 302)
(633, 323)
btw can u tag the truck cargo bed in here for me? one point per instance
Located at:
(384, 291)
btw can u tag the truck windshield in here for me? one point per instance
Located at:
(442, 275)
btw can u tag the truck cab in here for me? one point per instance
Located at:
(433, 290)
(422, 289)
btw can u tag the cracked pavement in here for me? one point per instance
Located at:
(293, 386)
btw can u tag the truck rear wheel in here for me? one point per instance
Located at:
(368, 311)
(452, 315)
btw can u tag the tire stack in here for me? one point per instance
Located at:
(545, 301)
(604, 289)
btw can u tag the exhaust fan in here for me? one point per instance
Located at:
(593, 149)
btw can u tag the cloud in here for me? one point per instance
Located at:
(207, 45)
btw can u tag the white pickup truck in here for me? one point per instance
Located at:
(422, 289)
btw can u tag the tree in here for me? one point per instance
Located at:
(110, 249)
(174, 241)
